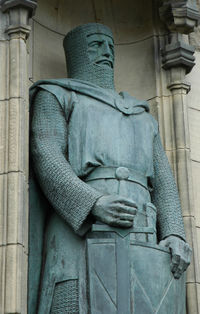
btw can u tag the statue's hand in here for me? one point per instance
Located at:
(180, 254)
(115, 211)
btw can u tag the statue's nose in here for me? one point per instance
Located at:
(106, 50)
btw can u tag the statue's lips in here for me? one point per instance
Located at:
(105, 62)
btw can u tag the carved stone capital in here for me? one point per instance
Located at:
(178, 54)
(179, 85)
(30, 5)
(22, 31)
(19, 13)
(180, 16)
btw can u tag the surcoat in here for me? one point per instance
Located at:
(76, 128)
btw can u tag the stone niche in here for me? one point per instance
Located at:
(133, 30)
(139, 37)
(134, 34)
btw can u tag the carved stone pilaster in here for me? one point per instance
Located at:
(180, 16)
(14, 175)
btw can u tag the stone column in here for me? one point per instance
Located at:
(180, 18)
(14, 155)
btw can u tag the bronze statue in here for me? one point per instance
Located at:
(98, 159)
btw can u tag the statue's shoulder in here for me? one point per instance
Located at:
(55, 86)
(65, 87)
(60, 88)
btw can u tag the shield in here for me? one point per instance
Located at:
(127, 276)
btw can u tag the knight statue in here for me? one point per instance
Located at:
(113, 239)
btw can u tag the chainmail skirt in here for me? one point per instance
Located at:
(65, 298)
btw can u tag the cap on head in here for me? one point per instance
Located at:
(78, 63)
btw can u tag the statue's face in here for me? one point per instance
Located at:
(89, 50)
(101, 50)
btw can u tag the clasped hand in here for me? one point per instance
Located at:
(115, 210)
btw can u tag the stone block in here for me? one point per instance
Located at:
(18, 79)
(196, 194)
(198, 241)
(3, 209)
(17, 210)
(193, 272)
(180, 116)
(4, 69)
(15, 280)
(167, 124)
(2, 277)
(171, 155)
(193, 78)
(64, 15)
(184, 181)
(3, 136)
(17, 135)
(194, 126)
(13, 210)
(51, 65)
(193, 302)
(194, 38)
(134, 69)
(162, 77)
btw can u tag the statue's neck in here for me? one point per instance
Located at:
(103, 78)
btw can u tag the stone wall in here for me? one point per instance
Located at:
(140, 36)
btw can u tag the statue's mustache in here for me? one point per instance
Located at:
(104, 61)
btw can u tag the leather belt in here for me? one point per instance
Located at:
(119, 173)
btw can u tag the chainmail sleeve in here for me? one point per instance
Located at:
(70, 197)
(165, 195)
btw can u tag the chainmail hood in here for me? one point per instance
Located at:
(79, 65)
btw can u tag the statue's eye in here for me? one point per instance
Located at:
(95, 44)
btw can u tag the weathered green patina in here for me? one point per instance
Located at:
(98, 159)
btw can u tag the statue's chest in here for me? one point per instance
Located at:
(95, 123)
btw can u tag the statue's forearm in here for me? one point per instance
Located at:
(165, 195)
(70, 196)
